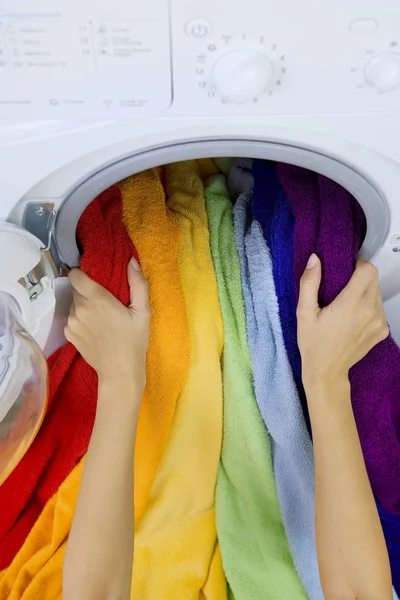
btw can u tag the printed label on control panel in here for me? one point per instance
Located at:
(53, 65)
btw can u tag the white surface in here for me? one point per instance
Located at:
(84, 59)
(318, 97)
(198, 28)
(363, 26)
(383, 71)
(25, 252)
(101, 59)
(241, 75)
(20, 252)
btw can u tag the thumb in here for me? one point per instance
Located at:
(139, 294)
(309, 286)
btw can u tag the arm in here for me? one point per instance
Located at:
(352, 554)
(113, 339)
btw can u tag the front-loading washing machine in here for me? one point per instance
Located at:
(93, 92)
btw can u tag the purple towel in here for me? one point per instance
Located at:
(271, 208)
(330, 222)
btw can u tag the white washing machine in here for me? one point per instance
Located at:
(91, 92)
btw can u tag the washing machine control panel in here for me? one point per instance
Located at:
(286, 58)
(84, 59)
(124, 59)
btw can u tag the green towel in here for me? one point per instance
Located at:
(255, 551)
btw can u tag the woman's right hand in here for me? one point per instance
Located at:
(334, 338)
(111, 337)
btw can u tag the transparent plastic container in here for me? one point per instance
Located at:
(23, 387)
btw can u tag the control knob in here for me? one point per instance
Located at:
(242, 75)
(383, 71)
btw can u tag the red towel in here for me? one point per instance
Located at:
(65, 433)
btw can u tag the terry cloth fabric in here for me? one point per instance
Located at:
(65, 433)
(176, 549)
(391, 529)
(240, 178)
(156, 235)
(224, 164)
(277, 397)
(272, 209)
(36, 571)
(254, 548)
(336, 228)
(207, 167)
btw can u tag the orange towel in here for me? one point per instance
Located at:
(36, 571)
(176, 550)
(156, 237)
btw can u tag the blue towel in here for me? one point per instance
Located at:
(272, 209)
(391, 529)
(277, 397)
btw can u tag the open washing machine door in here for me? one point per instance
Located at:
(27, 303)
(40, 237)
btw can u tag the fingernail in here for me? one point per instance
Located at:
(312, 261)
(134, 264)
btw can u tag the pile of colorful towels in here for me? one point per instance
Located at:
(224, 476)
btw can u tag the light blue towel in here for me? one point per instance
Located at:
(277, 397)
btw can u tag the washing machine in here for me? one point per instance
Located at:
(94, 91)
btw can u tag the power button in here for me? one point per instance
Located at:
(198, 28)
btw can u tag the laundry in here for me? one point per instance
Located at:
(65, 433)
(277, 397)
(336, 228)
(207, 167)
(254, 548)
(36, 571)
(240, 177)
(156, 235)
(224, 479)
(270, 206)
(391, 530)
(224, 164)
(176, 549)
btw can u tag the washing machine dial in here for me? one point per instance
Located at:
(239, 76)
(383, 71)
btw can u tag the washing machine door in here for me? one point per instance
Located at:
(27, 304)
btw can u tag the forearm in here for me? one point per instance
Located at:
(99, 556)
(352, 553)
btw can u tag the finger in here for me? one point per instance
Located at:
(380, 308)
(78, 300)
(82, 283)
(139, 293)
(73, 323)
(68, 334)
(309, 287)
(373, 291)
(364, 275)
(72, 310)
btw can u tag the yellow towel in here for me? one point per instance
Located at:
(176, 551)
(156, 235)
(207, 168)
(36, 571)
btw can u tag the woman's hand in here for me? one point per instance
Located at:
(352, 556)
(333, 339)
(112, 338)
